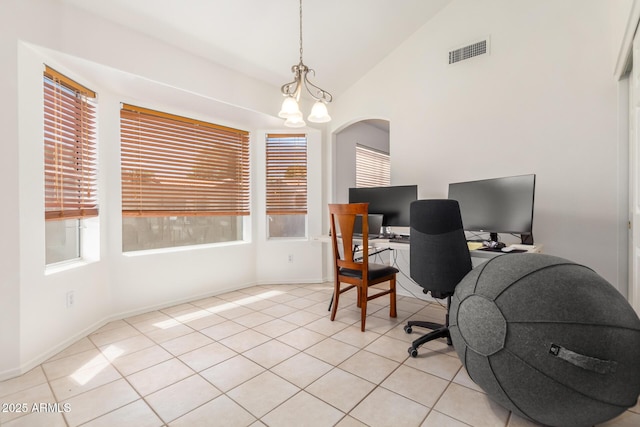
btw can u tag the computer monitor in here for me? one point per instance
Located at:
(498, 205)
(393, 202)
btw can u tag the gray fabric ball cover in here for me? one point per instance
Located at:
(548, 339)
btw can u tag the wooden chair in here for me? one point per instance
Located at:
(355, 272)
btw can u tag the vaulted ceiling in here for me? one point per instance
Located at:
(342, 39)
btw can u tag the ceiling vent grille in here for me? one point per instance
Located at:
(467, 52)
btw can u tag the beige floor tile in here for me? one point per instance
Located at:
(369, 366)
(140, 360)
(205, 321)
(108, 336)
(135, 414)
(163, 335)
(79, 346)
(301, 303)
(245, 340)
(221, 411)
(207, 356)
(332, 351)
(390, 348)
(99, 401)
(275, 328)
(325, 326)
(354, 336)
(253, 319)
(301, 369)
(300, 318)
(437, 419)
(125, 347)
(232, 311)
(279, 310)
(158, 320)
(416, 385)
(182, 397)
(178, 308)
(159, 376)
(341, 389)
(349, 421)
(21, 403)
(462, 378)
(303, 406)
(385, 408)
(471, 407)
(38, 419)
(263, 393)
(270, 353)
(232, 372)
(31, 379)
(83, 380)
(186, 343)
(436, 363)
(68, 365)
(223, 330)
(301, 338)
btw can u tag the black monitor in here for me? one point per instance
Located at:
(392, 202)
(499, 205)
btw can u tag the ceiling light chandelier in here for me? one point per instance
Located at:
(291, 91)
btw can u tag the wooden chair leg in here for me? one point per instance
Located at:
(392, 296)
(336, 298)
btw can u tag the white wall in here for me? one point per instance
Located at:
(121, 66)
(543, 101)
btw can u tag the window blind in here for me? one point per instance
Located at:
(174, 165)
(373, 168)
(69, 148)
(286, 174)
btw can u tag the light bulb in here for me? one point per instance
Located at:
(319, 113)
(289, 108)
(295, 121)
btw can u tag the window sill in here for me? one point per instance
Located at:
(145, 252)
(66, 266)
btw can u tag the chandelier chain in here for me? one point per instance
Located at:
(300, 31)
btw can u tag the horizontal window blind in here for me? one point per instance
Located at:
(373, 168)
(174, 165)
(69, 148)
(286, 174)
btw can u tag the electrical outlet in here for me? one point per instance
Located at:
(290, 258)
(71, 299)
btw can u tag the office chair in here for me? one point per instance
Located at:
(354, 271)
(438, 258)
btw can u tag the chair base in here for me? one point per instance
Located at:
(438, 331)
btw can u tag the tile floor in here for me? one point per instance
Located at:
(266, 355)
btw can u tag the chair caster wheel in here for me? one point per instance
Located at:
(408, 329)
(413, 352)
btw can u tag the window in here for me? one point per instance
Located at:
(69, 164)
(286, 185)
(184, 181)
(373, 168)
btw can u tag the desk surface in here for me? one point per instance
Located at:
(474, 250)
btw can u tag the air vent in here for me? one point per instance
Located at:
(467, 52)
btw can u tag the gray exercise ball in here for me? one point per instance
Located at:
(548, 339)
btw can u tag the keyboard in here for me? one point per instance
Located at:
(400, 239)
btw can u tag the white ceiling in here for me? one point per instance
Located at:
(342, 39)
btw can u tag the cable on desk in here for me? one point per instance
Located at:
(396, 265)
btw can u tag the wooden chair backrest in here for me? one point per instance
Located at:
(344, 215)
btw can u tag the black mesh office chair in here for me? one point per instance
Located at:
(439, 258)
